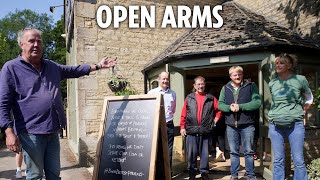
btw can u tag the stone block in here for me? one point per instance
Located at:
(88, 33)
(88, 84)
(89, 112)
(86, 10)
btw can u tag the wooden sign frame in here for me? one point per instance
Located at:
(159, 166)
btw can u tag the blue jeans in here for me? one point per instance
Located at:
(296, 136)
(170, 130)
(245, 133)
(198, 145)
(41, 153)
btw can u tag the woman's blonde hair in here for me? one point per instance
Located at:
(288, 59)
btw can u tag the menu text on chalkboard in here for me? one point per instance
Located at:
(128, 138)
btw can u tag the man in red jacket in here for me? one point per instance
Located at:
(199, 114)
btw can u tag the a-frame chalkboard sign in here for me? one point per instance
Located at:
(132, 139)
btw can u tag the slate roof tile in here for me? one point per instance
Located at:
(242, 29)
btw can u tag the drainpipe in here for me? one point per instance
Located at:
(145, 81)
(167, 70)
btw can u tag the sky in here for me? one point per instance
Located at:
(38, 6)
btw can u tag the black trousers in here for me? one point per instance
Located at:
(170, 130)
(219, 132)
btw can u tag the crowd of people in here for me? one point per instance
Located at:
(205, 120)
(31, 113)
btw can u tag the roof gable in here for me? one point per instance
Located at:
(242, 29)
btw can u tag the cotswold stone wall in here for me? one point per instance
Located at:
(134, 48)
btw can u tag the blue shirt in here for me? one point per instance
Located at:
(169, 98)
(34, 97)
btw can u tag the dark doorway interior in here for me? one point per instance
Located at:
(218, 76)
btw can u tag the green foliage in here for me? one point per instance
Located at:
(12, 23)
(126, 91)
(317, 99)
(57, 52)
(3, 43)
(313, 169)
(120, 86)
(117, 83)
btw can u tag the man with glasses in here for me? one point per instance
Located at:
(239, 100)
(199, 114)
(30, 88)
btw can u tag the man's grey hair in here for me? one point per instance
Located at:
(163, 72)
(22, 32)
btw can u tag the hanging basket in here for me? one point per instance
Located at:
(117, 84)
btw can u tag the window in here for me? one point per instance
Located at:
(154, 84)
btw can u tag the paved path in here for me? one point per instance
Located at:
(7, 164)
(220, 171)
(69, 169)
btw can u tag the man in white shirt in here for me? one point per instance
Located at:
(169, 98)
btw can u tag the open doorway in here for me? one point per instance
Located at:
(216, 78)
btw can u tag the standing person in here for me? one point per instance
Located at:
(219, 133)
(256, 135)
(19, 159)
(30, 87)
(239, 100)
(291, 98)
(218, 140)
(169, 97)
(199, 113)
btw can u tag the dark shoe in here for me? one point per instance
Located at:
(192, 178)
(204, 176)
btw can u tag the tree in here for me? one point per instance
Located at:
(12, 23)
(58, 50)
(3, 44)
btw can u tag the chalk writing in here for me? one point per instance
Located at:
(126, 173)
(127, 140)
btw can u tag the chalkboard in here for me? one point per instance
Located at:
(130, 144)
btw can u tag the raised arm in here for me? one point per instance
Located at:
(104, 63)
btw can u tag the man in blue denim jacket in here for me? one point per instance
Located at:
(30, 88)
